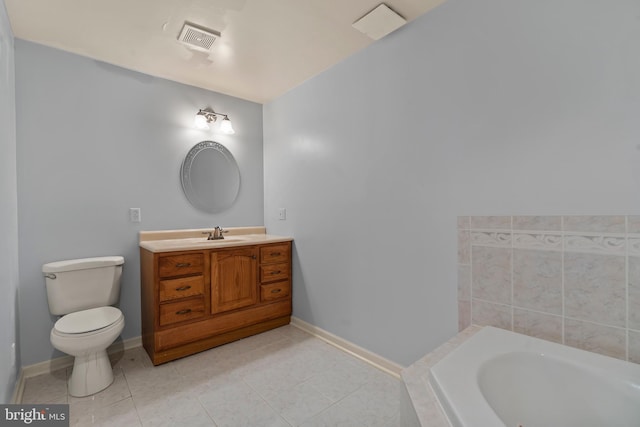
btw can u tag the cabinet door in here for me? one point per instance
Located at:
(234, 278)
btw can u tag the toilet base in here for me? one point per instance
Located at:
(91, 373)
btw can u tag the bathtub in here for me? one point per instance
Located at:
(501, 378)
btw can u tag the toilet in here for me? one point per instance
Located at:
(83, 291)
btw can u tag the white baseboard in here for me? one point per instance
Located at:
(52, 365)
(18, 389)
(365, 355)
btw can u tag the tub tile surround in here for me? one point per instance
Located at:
(574, 280)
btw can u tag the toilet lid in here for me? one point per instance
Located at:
(87, 320)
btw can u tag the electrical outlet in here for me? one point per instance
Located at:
(135, 215)
(282, 214)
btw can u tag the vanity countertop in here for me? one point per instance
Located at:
(193, 239)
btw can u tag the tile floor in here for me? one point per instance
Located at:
(284, 377)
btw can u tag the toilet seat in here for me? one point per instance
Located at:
(85, 321)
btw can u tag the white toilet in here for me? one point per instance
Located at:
(83, 290)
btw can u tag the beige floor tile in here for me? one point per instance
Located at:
(281, 378)
(116, 392)
(46, 388)
(119, 414)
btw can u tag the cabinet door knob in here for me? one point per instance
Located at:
(253, 257)
(275, 291)
(185, 311)
(183, 264)
(183, 288)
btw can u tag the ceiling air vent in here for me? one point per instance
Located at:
(379, 22)
(197, 37)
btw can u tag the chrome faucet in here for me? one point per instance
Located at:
(216, 234)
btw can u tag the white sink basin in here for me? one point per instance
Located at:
(205, 241)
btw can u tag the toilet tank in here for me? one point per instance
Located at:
(80, 284)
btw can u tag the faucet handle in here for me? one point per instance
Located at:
(217, 232)
(209, 233)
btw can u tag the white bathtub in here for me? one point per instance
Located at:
(500, 378)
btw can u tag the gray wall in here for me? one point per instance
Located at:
(479, 107)
(95, 140)
(492, 107)
(8, 213)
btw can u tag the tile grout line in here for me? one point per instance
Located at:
(626, 286)
(264, 399)
(135, 406)
(562, 294)
(470, 250)
(512, 262)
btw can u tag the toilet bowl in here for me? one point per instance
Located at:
(83, 292)
(86, 335)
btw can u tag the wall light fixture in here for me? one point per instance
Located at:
(207, 115)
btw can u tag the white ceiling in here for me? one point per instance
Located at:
(266, 46)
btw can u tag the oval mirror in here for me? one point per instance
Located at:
(210, 177)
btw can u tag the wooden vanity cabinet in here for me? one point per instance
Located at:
(275, 272)
(233, 278)
(197, 299)
(181, 287)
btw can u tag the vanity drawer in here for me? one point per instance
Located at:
(180, 311)
(273, 272)
(274, 253)
(181, 288)
(274, 291)
(180, 265)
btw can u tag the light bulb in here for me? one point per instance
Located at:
(201, 121)
(226, 127)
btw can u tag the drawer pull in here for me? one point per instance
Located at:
(183, 264)
(185, 311)
(276, 272)
(183, 288)
(276, 291)
(275, 254)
